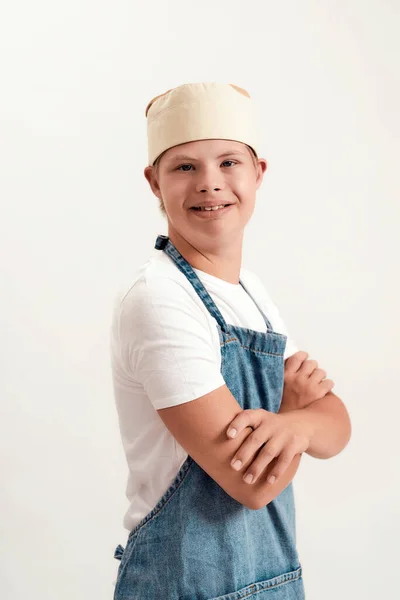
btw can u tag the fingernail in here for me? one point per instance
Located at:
(232, 432)
(248, 478)
(271, 479)
(237, 464)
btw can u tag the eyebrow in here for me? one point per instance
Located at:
(185, 157)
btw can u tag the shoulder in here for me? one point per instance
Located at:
(158, 282)
(160, 303)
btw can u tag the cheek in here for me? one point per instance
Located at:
(246, 191)
(174, 188)
(171, 194)
(246, 182)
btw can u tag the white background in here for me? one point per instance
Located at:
(78, 218)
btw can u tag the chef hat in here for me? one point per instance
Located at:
(200, 111)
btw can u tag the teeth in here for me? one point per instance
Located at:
(213, 207)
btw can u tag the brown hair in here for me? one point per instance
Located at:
(156, 167)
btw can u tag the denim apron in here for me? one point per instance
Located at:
(199, 543)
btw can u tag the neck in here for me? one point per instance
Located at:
(222, 261)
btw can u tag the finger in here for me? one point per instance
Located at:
(294, 362)
(247, 418)
(308, 367)
(247, 452)
(323, 388)
(282, 464)
(327, 385)
(318, 375)
(273, 448)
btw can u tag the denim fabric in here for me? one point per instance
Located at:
(198, 543)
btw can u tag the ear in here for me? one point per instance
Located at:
(261, 168)
(152, 179)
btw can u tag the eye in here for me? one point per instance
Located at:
(187, 165)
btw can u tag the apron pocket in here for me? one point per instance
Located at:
(288, 586)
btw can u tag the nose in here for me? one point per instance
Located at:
(209, 181)
(207, 189)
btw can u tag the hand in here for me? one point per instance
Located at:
(274, 435)
(304, 382)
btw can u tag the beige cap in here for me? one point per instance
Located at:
(200, 111)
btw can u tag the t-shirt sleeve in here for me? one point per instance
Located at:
(167, 344)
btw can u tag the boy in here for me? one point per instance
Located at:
(198, 346)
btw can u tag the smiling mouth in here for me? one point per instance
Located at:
(203, 208)
(212, 215)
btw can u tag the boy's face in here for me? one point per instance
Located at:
(204, 176)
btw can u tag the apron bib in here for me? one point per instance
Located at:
(199, 543)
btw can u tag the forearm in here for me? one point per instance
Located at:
(328, 424)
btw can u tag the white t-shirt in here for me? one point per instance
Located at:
(165, 351)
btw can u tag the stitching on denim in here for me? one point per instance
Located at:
(252, 349)
(284, 582)
(287, 578)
